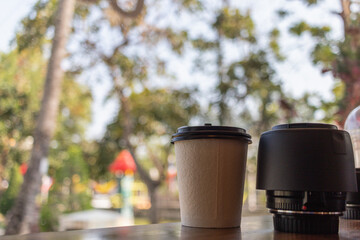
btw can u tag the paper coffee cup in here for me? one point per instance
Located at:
(211, 163)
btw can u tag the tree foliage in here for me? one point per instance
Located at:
(340, 56)
(155, 114)
(9, 196)
(247, 90)
(146, 111)
(19, 104)
(20, 90)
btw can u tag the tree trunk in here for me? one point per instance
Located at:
(350, 77)
(132, 13)
(24, 216)
(345, 14)
(153, 212)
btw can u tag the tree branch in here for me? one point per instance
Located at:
(108, 59)
(345, 14)
(350, 30)
(131, 14)
(160, 167)
(88, 1)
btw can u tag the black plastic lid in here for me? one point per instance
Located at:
(306, 157)
(304, 125)
(209, 131)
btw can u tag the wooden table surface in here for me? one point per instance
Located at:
(257, 227)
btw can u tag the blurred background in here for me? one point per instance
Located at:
(94, 150)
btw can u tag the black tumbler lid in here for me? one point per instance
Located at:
(209, 131)
(304, 125)
(306, 157)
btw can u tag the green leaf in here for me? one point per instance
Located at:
(299, 28)
(312, 2)
(274, 44)
(232, 24)
(282, 13)
(203, 45)
(323, 54)
(319, 31)
(9, 196)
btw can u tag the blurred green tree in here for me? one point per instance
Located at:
(71, 189)
(24, 215)
(146, 111)
(8, 197)
(339, 56)
(151, 116)
(19, 104)
(73, 175)
(247, 90)
(37, 29)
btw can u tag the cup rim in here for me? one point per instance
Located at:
(208, 131)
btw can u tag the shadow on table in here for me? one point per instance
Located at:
(188, 233)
